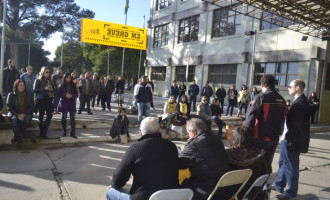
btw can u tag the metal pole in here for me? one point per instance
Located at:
(252, 60)
(144, 19)
(123, 60)
(3, 46)
(62, 51)
(29, 51)
(108, 70)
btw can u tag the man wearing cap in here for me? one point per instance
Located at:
(143, 95)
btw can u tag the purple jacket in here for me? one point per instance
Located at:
(67, 105)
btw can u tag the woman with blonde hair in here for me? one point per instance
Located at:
(43, 89)
(243, 100)
(169, 112)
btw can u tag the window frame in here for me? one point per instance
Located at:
(158, 73)
(162, 4)
(273, 18)
(190, 25)
(163, 32)
(220, 26)
(222, 73)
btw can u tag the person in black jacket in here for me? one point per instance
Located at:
(221, 95)
(207, 91)
(216, 115)
(206, 159)
(20, 108)
(106, 90)
(182, 90)
(10, 75)
(232, 99)
(119, 90)
(174, 90)
(2, 119)
(193, 92)
(143, 96)
(265, 116)
(120, 127)
(152, 161)
(295, 140)
(183, 110)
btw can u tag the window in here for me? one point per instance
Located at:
(158, 73)
(180, 73)
(226, 22)
(161, 35)
(272, 21)
(225, 74)
(284, 72)
(161, 4)
(188, 29)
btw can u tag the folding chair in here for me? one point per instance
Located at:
(268, 185)
(177, 194)
(256, 188)
(233, 178)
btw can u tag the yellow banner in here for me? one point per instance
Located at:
(98, 32)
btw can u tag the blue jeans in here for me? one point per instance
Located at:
(19, 125)
(113, 194)
(143, 110)
(288, 171)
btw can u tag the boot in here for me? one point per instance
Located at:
(73, 129)
(45, 129)
(239, 113)
(123, 139)
(41, 128)
(18, 138)
(64, 127)
(120, 102)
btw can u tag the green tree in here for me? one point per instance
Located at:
(72, 56)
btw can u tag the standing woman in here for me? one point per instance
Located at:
(67, 92)
(20, 109)
(119, 90)
(243, 100)
(182, 90)
(314, 104)
(232, 99)
(43, 88)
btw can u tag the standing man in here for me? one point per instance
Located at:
(86, 92)
(143, 95)
(295, 140)
(10, 75)
(207, 91)
(174, 90)
(57, 79)
(153, 162)
(96, 88)
(193, 92)
(232, 99)
(205, 156)
(221, 95)
(28, 77)
(106, 90)
(266, 117)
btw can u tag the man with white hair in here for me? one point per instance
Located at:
(205, 156)
(153, 162)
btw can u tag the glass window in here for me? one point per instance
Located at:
(161, 34)
(188, 29)
(161, 4)
(180, 73)
(272, 21)
(191, 73)
(225, 74)
(283, 72)
(226, 22)
(158, 73)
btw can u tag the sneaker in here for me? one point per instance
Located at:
(79, 112)
(109, 110)
(282, 197)
(73, 136)
(90, 113)
(277, 190)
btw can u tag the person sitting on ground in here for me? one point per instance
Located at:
(204, 112)
(207, 161)
(120, 126)
(20, 111)
(216, 116)
(169, 113)
(153, 163)
(68, 92)
(243, 154)
(183, 110)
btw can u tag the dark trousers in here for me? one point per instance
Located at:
(85, 99)
(93, 100)
(193, 103)
(98, 99)
(106, 99)
(72, 122)
(220, 125)
(45, 106)
(231, 105)
(242, 105)
(288, 172)
(222, 101)
(56, 99)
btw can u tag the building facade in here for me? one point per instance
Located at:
(193, 40)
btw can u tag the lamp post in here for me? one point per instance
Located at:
(254, 34)
(3, 46)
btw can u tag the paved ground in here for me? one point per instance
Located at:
(83, 171)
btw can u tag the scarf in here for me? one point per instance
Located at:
(21, 101)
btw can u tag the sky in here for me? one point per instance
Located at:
(108, 11)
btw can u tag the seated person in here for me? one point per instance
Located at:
(153, 162)
(216, 115)
(183, 109)
(2, 119)
(169, 112)
(243, 154)
(20, 111)
(204, 112)
(120, 127)
(207, 161)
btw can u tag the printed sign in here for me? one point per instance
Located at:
(98, 32)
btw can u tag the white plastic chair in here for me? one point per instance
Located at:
(257, 186)
(270, 181)
(233, 178)
(173, 194)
